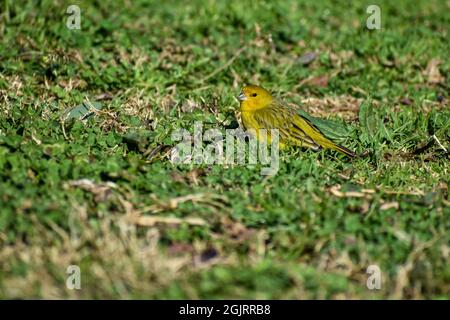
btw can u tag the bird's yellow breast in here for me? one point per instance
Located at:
(249, 122)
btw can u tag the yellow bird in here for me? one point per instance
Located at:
(260, 110)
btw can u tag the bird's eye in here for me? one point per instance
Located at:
(253, 94)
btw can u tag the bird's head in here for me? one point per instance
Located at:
(254, 97)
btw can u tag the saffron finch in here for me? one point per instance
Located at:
(260, 110)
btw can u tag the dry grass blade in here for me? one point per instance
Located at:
(364, 193)
(206, 198)
(101, 191)
(389, 205)
(150, 221)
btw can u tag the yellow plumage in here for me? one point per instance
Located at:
(260, 110)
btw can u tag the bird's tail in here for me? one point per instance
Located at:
(342, 149)
(327, 143)
(319, 138)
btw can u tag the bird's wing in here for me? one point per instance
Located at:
(332, 129)
(280, 117)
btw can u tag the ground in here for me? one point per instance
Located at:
(97, 190)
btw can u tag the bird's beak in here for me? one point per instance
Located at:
(242, 97)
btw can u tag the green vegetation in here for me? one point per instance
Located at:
(101, 193)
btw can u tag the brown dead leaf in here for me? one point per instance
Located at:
(101, 191)
(432, 72)
(316, 81)
(104, 96)
(307, 58)
(406, 101)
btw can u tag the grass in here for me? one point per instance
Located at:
(310, 231)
